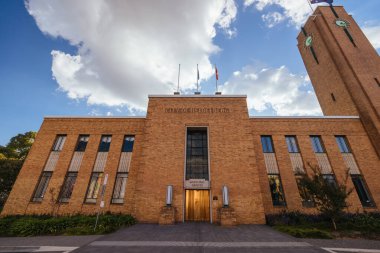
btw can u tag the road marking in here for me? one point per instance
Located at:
(337, 250)
(36, 249)
(199, 244)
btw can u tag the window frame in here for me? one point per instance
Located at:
(47, 181)
(366, 204)
(290, 148)
(321, 144)
(197, 156)
(97, 186)
(105, 147)
(78, 148)
(346, 148)
(119, 200)
(264, 146)
(64, 185)
(125, 147)
(277, 203)
(306, 198)
(59, 142)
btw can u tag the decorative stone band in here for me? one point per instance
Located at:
(125, 162)
(297, 163)
(324, 163)
(52, 161)
(271, 163)
(350, 163)
(100, 162)
(76, 161)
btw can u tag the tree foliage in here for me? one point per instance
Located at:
(330, 197)
(19, 145)
(9, 170)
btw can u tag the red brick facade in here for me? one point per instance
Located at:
(235, 152)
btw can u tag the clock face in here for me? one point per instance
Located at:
(309, 41)
(342, 23)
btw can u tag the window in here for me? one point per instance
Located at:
(377, 81)
(128, 144)
(343, 144)
(105, 142)
(307, 199)
(93, 187)
(291, 142)
(278, 197)
(82, 143)
(362, 190)
(330, 179)
(197, 154)
(266, 142)
(119, 189)
(318, 147)
(42, 186)
(59, 141)
(68, 186)
(333, 97)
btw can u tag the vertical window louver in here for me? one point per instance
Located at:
(71, 176)
(123, 170)
(46, 174)
(275, 185)
(97, 172)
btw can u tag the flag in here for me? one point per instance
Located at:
(216, 73)
(322, 1)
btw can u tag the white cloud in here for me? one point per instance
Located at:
(297, 11)
(373, 34)
(272, 18)
(274, 88)
(127, 49)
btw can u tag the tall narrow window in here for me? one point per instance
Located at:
(128, 143)
(82, 143)
(278, 197)
(307, 198)
(42, 186)
(59, 142)
(105, 143)
(68, 186)
(291, 142)
(93, 187)
(343, 144)
(275, 185)
(267, 144)
(197, 154)
(119, 189)
(318, 147)
(362, 190)
(356, 177)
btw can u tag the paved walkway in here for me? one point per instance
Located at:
(188, 237)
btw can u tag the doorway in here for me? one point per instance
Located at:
(197, 205)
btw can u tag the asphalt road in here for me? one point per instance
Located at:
(187, 237)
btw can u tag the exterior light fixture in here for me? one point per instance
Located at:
(225, 196)
(169, 195)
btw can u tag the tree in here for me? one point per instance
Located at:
(9, 169)
(330, 197)
(19, 145)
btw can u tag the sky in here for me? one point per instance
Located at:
(103, 58)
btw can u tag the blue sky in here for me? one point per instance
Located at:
(96, 57)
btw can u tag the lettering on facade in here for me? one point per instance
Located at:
(197, 110)
(197, 184)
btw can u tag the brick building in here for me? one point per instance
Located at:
(197, 144)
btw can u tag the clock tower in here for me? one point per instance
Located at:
(344, 68)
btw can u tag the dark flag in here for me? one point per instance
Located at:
(322, 1)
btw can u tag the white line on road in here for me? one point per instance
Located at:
(37, 249)
(337, 250)
(198, 244)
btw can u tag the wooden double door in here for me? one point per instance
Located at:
(197, 205)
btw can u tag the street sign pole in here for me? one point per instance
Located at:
(101, 200)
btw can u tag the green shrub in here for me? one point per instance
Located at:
(68, 225)
(304, 232)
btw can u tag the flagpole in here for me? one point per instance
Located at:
(179, 73)
(216, 79)
(311, 7)
(197, 77)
